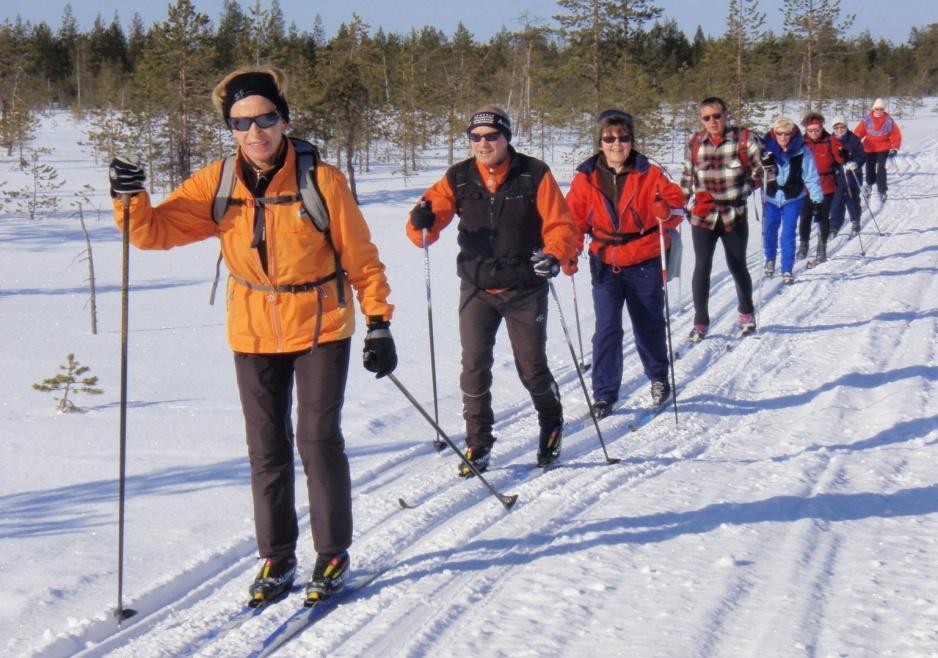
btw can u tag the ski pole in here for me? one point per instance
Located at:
(667, 310)
(872, 214)
(579, 373)
(507, 501)
(122, 613)
(850, 196)
(437, 443)
(576, 312)
(755, 208)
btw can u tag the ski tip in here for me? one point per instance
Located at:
(508, 501)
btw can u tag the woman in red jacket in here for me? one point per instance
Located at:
(622, 200)
(881, 139)
(828, 158)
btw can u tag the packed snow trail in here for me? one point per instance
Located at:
(793, 512)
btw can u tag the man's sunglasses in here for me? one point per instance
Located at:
(715, 117)
(612, 139)
(489, 137)
(243, 124)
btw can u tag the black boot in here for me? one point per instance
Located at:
(802, 252)
(274, 578)
(821, 256)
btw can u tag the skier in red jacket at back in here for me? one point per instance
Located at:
(881, 139)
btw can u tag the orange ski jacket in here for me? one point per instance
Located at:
(264, 315)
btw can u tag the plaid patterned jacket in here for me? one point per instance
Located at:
(720, 170)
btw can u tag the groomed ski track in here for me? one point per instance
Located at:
(747, 505)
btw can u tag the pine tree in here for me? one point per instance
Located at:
(68, 382)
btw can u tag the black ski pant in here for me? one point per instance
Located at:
(525, 315)
(266, 382)
(822, 217)
(876, 170)
(734, 248)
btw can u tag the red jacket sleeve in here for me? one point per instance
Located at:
(558, 230)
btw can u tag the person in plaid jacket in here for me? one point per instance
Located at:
(722, 167)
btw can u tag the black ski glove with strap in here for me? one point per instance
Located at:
(379, 355)
(127, 177)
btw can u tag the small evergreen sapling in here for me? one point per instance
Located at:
(70, 381)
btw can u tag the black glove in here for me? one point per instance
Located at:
(422, 217)
(769, 168)
(379, 355)
(127, 177)
(816, 207)
(892, 152)
(545, 265)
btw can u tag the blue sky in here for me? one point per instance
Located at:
(891, 20)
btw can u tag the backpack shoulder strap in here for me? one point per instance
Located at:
(307, 157)
(743, 147)
(226, 185)
(695, 141)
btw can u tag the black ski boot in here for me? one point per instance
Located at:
(274, 578)
(479, 458)
(802, 252)
(821, 256)
(548, 448)
(697, 333)
(854, 229)
(601, 409)
(329, 576)
(660, 392)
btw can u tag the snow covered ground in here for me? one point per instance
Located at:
(793, 511)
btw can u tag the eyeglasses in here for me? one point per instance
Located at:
(811, 130)
(612, 139)
(779, 133)
(489, 137)
(243, 124)
(840, 126)
(716, 116)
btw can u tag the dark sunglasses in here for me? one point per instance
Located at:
(489, 137)
(715, 117)
(782, 133)
(243, 124)
(612, 139)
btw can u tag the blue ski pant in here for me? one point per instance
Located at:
(846, 198)
(785, 217)
(639, 288)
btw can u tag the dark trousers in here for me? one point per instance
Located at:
(525, 314)
(265, 382)
(734, 247)
(822, 217)
(846, 198)
(876, 170)
(639, 288)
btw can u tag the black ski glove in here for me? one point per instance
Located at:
(422, 217)
(127, 177)
(379, 355)
(545, 265)
(816, 207)
(892, 152)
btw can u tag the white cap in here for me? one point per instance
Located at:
(879, 104)
(837, 121)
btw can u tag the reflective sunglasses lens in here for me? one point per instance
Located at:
(267, 120)
(711, 117)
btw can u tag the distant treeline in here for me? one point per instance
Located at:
(363, 93)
